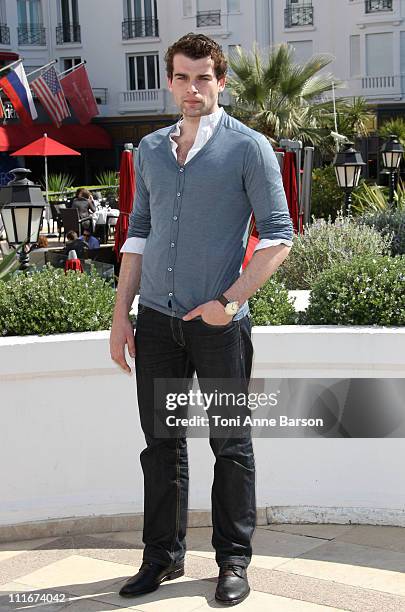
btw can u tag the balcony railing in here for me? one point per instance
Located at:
(208, 18)
(31, 35)
(378, 82)
(68, 33)
(4, 34)
(375, 6)
(298, 16)
(100, 93)
(140, 28)
(377, 87)
(141, 100)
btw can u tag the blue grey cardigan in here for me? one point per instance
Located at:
(195, 217)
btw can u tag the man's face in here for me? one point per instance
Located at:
(194, 86)
(86, 236)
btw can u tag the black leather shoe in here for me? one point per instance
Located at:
(149, 577)
(233, 586)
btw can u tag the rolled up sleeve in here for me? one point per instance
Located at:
(139, 219)
(264, 187)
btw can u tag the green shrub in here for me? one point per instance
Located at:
(109, 179)
(270, 305)
(374, 198)
(389, 223)
(327, 197)
(325, 243)
(58, 183)
(364, 291)
(51, 302)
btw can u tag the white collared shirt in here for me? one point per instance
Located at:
(205, 130)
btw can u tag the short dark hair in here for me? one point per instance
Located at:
(71, 235)
(197, 46)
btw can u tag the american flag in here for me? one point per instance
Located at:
(50, 94)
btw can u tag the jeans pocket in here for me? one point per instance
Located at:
(217, 326)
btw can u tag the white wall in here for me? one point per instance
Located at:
(258, 20)
(71, 436)
(334, 23)
(105, 50)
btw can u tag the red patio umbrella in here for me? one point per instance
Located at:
(291, 191)
(45, 147)
(291, 187)
(126, 199)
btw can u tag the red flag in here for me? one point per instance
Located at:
(77, 89)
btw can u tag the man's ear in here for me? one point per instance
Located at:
(169, 84)
(222, 83)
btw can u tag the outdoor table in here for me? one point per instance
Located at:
(104, 215)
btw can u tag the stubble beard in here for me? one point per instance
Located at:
(199, 111)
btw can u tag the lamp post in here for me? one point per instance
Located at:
(348, 165)
(392, 152)
(21, 208)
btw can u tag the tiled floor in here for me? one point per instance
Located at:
(308, 568)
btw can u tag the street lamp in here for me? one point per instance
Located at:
(392, 152)
(348, 165)
(21, 208)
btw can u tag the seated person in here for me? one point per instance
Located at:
(75, 244)
(42, 244)
(90, 241)
(84, 204)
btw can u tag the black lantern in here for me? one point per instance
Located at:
(21, 208)
(392, 152)
(348, 165)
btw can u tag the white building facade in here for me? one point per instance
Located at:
(367, 38)
(124, 42)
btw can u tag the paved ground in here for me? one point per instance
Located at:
(308, 568)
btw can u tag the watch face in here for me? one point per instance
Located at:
(232, 308)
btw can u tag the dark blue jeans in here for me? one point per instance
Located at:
(168, 347)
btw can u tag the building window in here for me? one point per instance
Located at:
(70, 62)
(68, 29)
(298, 13)
(30, 23)
(233, 6)
(4, 29)
(355, 56)
(232, 55)
(187, 8)
(379, 54)
(141, 19)
(375, 6)
(143, 72)
(303, 50)
(208, 13)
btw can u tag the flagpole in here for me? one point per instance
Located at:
(46, 174)
(334, 113)
(73, 68)
(42, 67)
(12, 64)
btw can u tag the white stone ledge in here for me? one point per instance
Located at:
(73, 436)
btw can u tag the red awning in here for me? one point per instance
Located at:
(8, 56)
(13, 137)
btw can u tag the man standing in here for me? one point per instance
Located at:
(197, 184)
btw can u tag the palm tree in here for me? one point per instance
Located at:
(279, 97)
(393, 126)
(355, 118)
